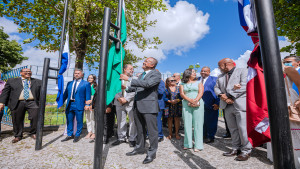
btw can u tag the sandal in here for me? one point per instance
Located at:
(88, 135)
(186, 148)
(178, 137)
(196, 150)
(169, 137)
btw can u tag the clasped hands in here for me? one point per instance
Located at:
(122, 100)
(1, 107)
(193, 102)
(226, 99)
(88, 107)
(173, 101)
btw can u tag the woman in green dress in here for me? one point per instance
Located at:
(191, 91)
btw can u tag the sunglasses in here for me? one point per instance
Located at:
(172, 80)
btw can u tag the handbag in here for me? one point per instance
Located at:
(294, 113)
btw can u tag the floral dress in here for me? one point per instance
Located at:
(173, 110)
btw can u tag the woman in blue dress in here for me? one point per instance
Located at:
(173, 106)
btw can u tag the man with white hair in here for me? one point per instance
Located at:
(176, 76)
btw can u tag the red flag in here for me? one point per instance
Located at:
(258, 127)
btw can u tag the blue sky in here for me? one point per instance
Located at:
(192, 31)
(226, 38)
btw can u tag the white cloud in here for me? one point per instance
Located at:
(9, 25)
(216, 72)
(241, 62)
(179, 28)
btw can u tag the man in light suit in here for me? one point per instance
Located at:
(124, 105)
(146, 108)
(211, 105)
(21, 95)
(78, 96)
(231, 89)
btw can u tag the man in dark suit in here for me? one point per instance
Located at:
(211, 105)
(78, 93)
(146, 108)
(21, 95)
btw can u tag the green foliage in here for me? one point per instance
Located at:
(43, 20)
(10, 52)
(51, 98)
(191, 67)
(287, 17)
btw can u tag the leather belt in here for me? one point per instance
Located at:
(72, 100)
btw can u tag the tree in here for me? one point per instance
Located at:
(287, 17)
(10, 52)
(43, 20)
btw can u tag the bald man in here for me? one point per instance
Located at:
(233, 100)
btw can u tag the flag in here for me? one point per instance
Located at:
(115, 63)
(65, 63)
(258, 128)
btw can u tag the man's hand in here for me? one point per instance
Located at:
(123, 100)
(297, 104)
(86, 107)
(123, 87)
(215, 106)
(223, 97)
(124, 77)
(1, 107)
(91, 108)
(108, 110)
(229, 101)
(88, 102)
(237, 86)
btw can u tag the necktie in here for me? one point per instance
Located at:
(143, 75)
(202, 80)
(26, 89)
(227, 79)
(74, 90)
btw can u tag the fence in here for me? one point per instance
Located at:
(53, 116)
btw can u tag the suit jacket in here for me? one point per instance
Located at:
(82, 94)
(146, 92)
(129, 97)
(209, 97)
(13, 88)
(239, 76)
(161, 95)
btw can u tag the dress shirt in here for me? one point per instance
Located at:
(29, 86)
(203, 80)
(78, 82)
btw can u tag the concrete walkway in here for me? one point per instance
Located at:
(56, 154)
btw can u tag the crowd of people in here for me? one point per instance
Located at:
(191, 103)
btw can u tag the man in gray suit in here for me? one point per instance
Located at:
(145, 108)
(124, 105)
(231, 88)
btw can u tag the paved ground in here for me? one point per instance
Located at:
(56, 154)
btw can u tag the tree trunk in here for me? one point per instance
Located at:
(81, 48)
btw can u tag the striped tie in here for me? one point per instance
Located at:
(26, 89)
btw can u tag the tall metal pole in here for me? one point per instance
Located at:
(62, 36)
(119, 20)
(277, 103)
(43, 93)
(101, 92)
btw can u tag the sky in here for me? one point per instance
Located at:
(193, 32)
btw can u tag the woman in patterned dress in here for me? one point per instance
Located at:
(173, 106)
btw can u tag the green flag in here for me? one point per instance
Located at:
(115, 63)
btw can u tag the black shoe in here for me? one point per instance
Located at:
(76, 139)
(132, 143)
(148, 159)
(181, 128)
(105, 140)
(227, 135)
(209, 140)
(160, 139)
(118, 142)
(67, 138)
(134, 152)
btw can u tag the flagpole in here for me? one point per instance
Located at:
(277, 102)
(101, 91)
(119, 20)
(62, 36)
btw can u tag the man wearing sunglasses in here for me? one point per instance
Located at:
(20, 95)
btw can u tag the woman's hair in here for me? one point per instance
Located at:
(94, 80)
(186, 75)
(168, 81)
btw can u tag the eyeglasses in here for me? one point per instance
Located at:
(26, 71)
(172, 80)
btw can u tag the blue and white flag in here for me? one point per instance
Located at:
(247, 15)
(65, 63)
